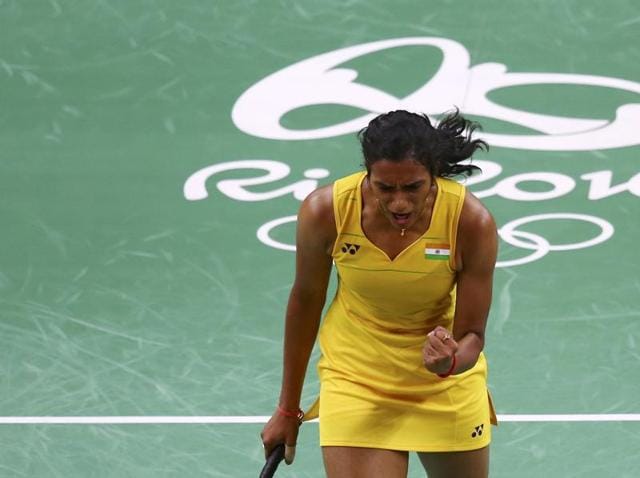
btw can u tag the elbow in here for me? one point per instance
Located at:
(475, 340)
(305, 301)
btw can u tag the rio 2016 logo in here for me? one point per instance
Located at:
(320, 80)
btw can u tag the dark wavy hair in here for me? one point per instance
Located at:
(400, 135)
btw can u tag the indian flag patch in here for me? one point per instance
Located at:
(437, 252)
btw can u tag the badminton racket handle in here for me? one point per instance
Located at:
(273, 460)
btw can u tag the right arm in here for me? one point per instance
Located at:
(316, 233)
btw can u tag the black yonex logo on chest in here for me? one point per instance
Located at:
(350, 248)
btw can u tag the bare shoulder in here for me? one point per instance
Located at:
(475, 218)
(477, 233)
(318, 206)
(316, 220)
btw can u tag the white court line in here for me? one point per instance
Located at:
(187, 420)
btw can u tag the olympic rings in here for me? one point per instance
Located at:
(540, 245)
(264, 232)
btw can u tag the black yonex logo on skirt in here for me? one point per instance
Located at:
(350, 248)
(477, 431)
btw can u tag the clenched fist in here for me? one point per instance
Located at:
(439, 352)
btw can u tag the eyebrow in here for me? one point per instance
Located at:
(414, 183)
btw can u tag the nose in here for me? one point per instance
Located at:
(399, 203)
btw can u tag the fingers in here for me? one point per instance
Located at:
(265, 448)
(441, 341)
(278, 431)
(289, 453)
(439, 350)
(441, 334)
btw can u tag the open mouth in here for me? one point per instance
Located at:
(401, 219)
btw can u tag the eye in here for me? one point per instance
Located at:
(412, 187)
(385, 188)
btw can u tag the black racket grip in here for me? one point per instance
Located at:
(273, 460)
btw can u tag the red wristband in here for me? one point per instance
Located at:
(299, 414)
(450, 371)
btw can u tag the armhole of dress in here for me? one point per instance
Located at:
(335, 193)
(453, 234)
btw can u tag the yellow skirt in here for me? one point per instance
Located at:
(376, 393)
(457, 418)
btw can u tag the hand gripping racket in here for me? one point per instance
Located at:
(273, 460)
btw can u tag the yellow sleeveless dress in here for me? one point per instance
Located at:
(374, 389)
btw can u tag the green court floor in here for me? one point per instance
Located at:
(153, 155)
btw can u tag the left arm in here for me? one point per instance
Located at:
(476, 259)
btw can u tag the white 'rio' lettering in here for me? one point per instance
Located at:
(195, 187)
(601, 185)
(600, 182)
(508, 187)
